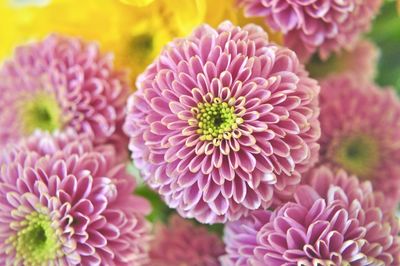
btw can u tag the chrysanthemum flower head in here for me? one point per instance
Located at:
(62, 83)
(223, 122)
(318, 25)
(361, 131)
(338, 222)
(360, 62)
(182, 243)
(66, 202)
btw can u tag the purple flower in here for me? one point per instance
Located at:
(223, 122)
(316, 25)
(361, 131)
(65, 202)
(62, 83)
(182, 243)
(338, 222)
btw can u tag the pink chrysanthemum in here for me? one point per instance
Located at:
(222, 122)
(338, 223)
(360, 63)
(62, 83)
(361, 133)
(316, 25)
(323, 177)
(64, 202)
(182, 243)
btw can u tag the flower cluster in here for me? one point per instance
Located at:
(259, 119)
(335, 221)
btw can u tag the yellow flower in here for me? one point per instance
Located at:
(14, 27)
(135, 34)
(184, 14)
(142, 44)
(27, 2)
(137, 2)
(219, 11)
(161, 22)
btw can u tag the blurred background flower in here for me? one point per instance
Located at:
(360, 126)
(360, 62)
(135, 33)
(63, 83)
(181, 242)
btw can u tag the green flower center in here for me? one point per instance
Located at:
(216, 120)
(37, 242)
(359, 155)
(41, 112)
(142, 45)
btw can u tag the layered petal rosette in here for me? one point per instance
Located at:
(323, 177)
(61, 83)
(64, 202)
(223, 122)
(182, 243)
(322, 26)
(361, 133)
(338, 222)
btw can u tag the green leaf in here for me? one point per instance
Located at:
(386, 34)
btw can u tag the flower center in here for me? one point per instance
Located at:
(216, 120)
(36, 242)
(41, 112)
(359, 155)
(142, 46)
